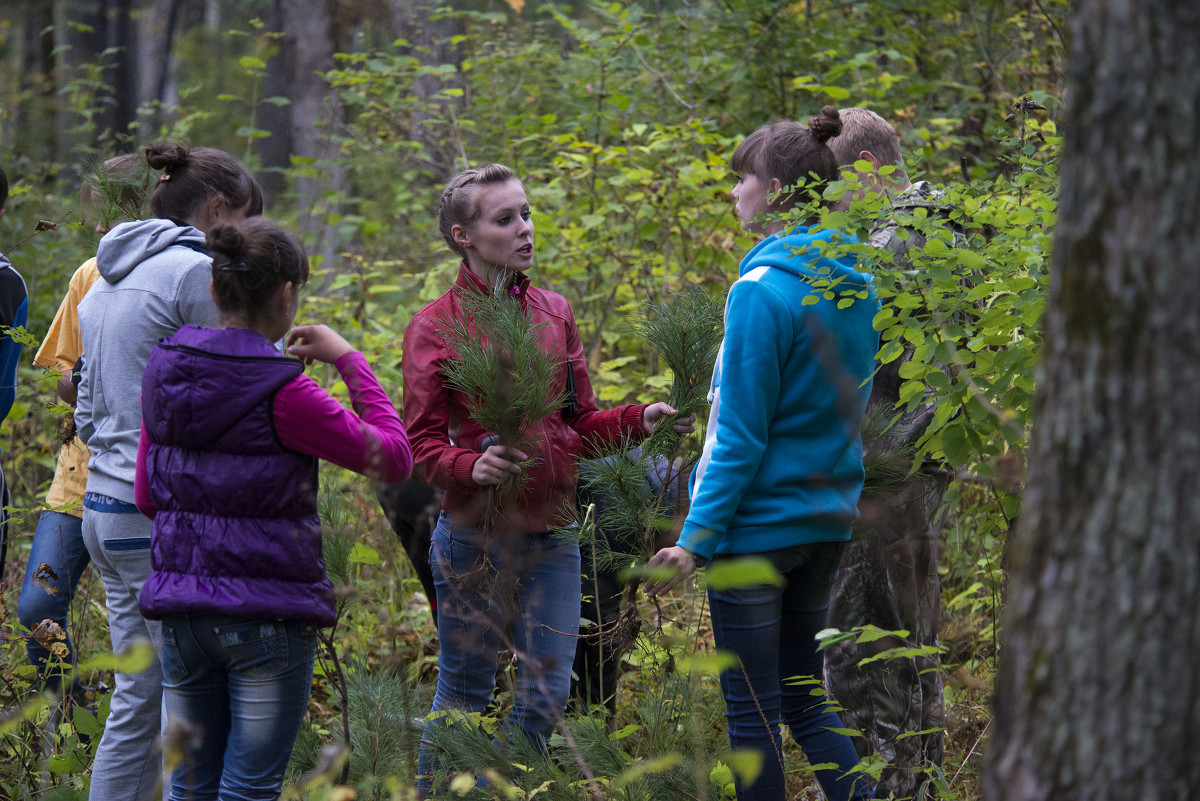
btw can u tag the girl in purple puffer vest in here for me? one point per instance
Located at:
(232, 431)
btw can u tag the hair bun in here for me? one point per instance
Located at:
(825, 125)
(225, 240)
(166, 156)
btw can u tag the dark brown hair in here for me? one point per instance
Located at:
(3, 188)
(191, 176)
(790, 152)
(250, 262)
(458, 205)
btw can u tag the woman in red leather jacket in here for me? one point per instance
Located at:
(525, 593)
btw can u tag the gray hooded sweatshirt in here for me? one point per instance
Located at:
(156, 280)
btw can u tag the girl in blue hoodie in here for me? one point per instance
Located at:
(782, 465)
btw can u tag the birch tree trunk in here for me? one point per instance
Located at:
(1098, 695)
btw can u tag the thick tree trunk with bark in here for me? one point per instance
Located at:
(316, 116)
(1099, 692)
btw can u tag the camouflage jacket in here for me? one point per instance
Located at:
(899, 235)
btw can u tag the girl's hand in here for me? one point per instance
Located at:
(675, 557)
(317, 343)
(497, 465)
(657, 411)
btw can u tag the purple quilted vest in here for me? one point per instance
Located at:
(237, 530)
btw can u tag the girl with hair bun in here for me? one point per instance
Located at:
(782, 467)
(156, 275)
(232, 433)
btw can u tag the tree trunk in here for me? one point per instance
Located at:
(274, 152)
(120, 37)
(316, 116)
(1098, 695)
(156, 36)
(33, 120)
(429, 41)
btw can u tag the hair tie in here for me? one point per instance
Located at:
(242, 266)
(166, 176)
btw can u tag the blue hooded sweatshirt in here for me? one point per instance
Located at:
(782, 461)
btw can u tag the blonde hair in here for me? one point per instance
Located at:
(458, 205)
(863, 129)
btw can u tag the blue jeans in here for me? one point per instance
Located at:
(243, 685)
(57, 544)
(527, 596)
(772, 631)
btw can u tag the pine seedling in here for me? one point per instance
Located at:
(632, 488)
(502, 368)
(686, 332)
(887, 458)
(118, 190)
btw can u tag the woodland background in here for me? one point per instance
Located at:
(621, 117)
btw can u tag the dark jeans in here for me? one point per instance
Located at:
(243, 683)
(772, 631)
(47, 592)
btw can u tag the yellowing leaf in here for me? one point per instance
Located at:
(747, 571)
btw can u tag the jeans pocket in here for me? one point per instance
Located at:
(455, 549)
(174, 669)
(835, 562)
(256, 648)
(128, 544)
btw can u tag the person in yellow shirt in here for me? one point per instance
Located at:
(57, 557)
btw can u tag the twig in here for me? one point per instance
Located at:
(761, 714)
(38, 229)
(344, 693)
(967, 758)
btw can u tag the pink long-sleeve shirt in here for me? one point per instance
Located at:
(370, 440)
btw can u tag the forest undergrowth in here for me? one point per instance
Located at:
(667, 734)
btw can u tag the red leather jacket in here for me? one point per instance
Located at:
(445, 440)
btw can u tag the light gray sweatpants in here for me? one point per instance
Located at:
(128, 760)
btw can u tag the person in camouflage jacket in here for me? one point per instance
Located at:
(888, 576)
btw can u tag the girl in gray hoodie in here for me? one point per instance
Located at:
(156, 276)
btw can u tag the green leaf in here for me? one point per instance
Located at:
(747, 764)
(62, 765)
(721, 775)
(955, 445)
(252, 63)
(647, 767)
(745, 571)
(363, 555)
(84, 721)
(137, 658)
(711, 664)
(625, 731)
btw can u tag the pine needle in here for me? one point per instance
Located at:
(501, 366)
(686, 332)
